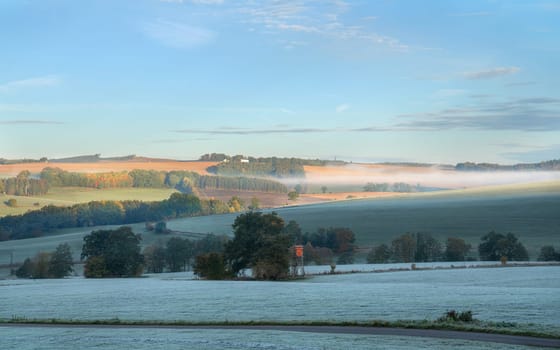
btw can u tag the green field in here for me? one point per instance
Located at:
(19, 250)
(73, 195)
(531, 212)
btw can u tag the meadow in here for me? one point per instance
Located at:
(65, 338)
(531, 212)
(67, 196)
(517, 294)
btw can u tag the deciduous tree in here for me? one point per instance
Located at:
(548, 253)
(456, 249)
(259, 243)
(61, 262)
(404, 248)
(112, 253)
(211, 266)
(427, 248)
(495, 245)
(379, 255)
(178, 253)
(154, 258)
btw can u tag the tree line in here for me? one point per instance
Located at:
(55, 264)
(38, 222)
(553, 164)
(23, 185)
(263, 167)
(262, 242)
(423, 247)
(57, 177)
(178, 254)
(141, 178)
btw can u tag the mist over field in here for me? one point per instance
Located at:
(434, 176)
(292, 161)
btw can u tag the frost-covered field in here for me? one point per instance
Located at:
(521, 294)
(27, 338)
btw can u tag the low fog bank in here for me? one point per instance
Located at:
(355, 174)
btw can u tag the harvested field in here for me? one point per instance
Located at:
(274, 200)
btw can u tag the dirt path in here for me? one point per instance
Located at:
(399, 332)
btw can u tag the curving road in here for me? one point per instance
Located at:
(406, 332)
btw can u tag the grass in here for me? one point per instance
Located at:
(506, 328)
(19, 250)
(530, 212)
(73, 195)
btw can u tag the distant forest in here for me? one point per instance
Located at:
(239, 165)
(185, 181)
(267, 167)
(23, 185)
(546, 165)
(38, 222)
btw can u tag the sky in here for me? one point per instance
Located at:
(401, 81)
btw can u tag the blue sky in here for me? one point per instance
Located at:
(428, 81)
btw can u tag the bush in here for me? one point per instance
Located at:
(455, 316)
(466, 316)
(11, 203)
(211, 266)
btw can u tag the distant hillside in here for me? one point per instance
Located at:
(267, 167)
(5, 161)
(94, 158)
(97, 158)
(542, 166)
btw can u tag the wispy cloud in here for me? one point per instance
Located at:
(36, 82)
(29, 122)
(208, 2)
(535, 155)
(286, 110)
(491, 73)
(524, 114)
(197, 2)
(517, 145)
(178, 35)
(292, 44)
(167, 141)
(313, 18)
(446, 93)
(521, 83)
(240, 131)
(341, 108)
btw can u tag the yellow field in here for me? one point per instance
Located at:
(73, 195)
